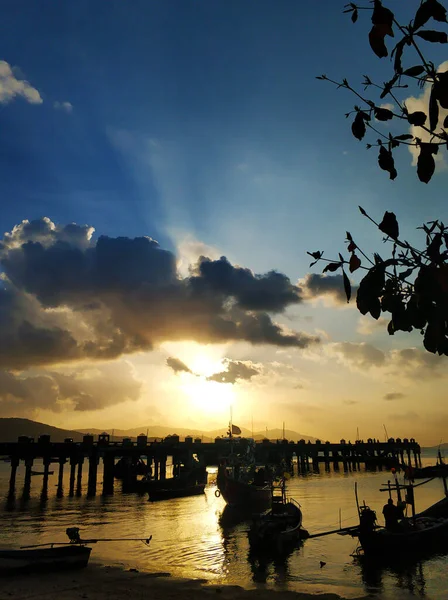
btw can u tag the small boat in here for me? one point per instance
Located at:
(167, 493)
(440, 469)
(243, 488)
(52, 556)
(421, 532)
(280, 528)
(41, 472)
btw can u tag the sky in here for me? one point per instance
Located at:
(164, 168)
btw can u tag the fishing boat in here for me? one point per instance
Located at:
(53, 556)
(404, 535)
(167, 493)
(280, 528)
(440, 469)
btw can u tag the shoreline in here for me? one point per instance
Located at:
(102, 582)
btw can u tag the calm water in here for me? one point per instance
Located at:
(192, 537)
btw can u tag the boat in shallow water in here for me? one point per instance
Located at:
(422, 532)
(168, 493)
(280, 528)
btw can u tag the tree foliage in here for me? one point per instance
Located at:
(370, 116)
(411, 285)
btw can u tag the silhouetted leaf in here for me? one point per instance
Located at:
(389, 225)
(347, 286)
(445, 122)
(414, 71)
(332, 267)
(389, 85)
(348, 236)
(317, 255)
(354, 15)
(383, 17)
(404, 136)
(376, 40)
(404, 274)
(390, 328)
(352, 246)
(441, 89)
(386, 162)
(430, 8)
(362, 211)
(433, 36)
(425, 162)
(417, 118)
(433, 110)
(433, 249)
(398, 52)
(354, 263)
(359, 126)
(383, 114)
(432, 337)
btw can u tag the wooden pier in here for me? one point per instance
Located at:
(297, 457)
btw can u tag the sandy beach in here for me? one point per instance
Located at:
(111, 583)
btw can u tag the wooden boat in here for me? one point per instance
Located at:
(279, 528)
(239, 487)
(53, 556)
(167, 493)
(421, 532)
(440, 469)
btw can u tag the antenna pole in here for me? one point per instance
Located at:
(385, 431)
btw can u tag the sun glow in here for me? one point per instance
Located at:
(209, 397)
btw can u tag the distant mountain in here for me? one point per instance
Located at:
(11, 428)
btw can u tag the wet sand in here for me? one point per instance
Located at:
(111, 583)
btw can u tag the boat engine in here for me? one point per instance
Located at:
(73, 535)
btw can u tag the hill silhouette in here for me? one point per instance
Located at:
(11, 428)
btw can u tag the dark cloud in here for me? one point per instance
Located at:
(418, 364)
(86, 389)
(177, 365)
(65, 297)
(315, 286)
(394, 396)
(235, 370)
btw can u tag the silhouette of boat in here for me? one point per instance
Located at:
(440, 469)
(422, 532)
(41, 472)
(280, 528)
(168, 493)
(53, 556)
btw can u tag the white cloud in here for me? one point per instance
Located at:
(369, 326)
(65, 106)
(421, 103)
(11, 87)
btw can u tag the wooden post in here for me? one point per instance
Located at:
(71, 490)
(163, 469)
(12, 479)
(27, 484)
(93, 474)
(79, 476)
(108, 474)
(44, 493)
(60, 490)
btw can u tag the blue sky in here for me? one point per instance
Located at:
(204, 119)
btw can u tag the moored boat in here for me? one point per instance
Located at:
(167, 493)
(403, 535)
(43, 559)
(280, 528)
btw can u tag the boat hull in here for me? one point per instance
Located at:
(427, 534)
(43, 559)
(170, 493)
(244, 495)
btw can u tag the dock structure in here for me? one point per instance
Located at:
(299, 457)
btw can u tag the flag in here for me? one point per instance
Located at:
(236, 430)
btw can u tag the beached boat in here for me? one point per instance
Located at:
(167, 493)
(53, 556)
(421, 532)
(280, 528)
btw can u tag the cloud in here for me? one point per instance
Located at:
(11, 87)
(64, 106)
(362, 356)
(413, 363)
(235, 371)
(177, 365)
(369, 326)
(394, 396)
(421, 103)
(65, 296)
(328, 287)
(84, 390)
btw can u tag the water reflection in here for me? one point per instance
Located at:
(405, 575)
(265, 567)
